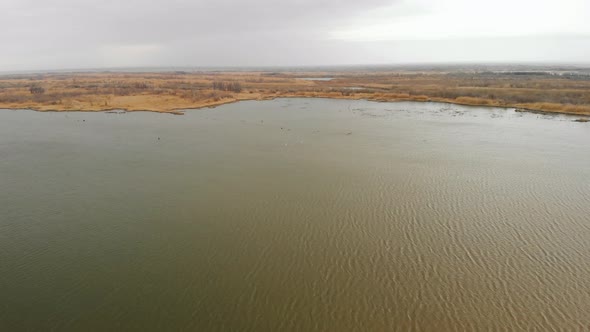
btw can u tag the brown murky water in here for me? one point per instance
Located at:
(295, 215)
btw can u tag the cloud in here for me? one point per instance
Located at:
(93, 33)
(455, 19)
(131, 54)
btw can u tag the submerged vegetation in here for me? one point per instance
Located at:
(168, 92)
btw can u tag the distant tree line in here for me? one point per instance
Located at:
(227, 86)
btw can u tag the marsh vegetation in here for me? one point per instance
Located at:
(171, 91)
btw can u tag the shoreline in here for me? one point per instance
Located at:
(181, 110)
(173, 92)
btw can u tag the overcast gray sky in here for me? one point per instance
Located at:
(57, 34)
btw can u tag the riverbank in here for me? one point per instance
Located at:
(585, 115)
(174, 92)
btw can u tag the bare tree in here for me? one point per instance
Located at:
(235, 87)
(36, 89)
(223, 86)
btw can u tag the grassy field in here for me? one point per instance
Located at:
(170, 92)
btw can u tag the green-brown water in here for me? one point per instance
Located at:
(295, 215)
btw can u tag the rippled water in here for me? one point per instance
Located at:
(295, 215)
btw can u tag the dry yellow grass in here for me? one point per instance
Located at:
(171, 92)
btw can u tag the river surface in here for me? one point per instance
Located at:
(295, 215)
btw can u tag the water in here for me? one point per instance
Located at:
(295, 215)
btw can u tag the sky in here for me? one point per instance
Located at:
(73, 34)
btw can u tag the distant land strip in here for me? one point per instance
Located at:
(171, 92)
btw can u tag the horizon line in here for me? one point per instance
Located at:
(212, 68)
